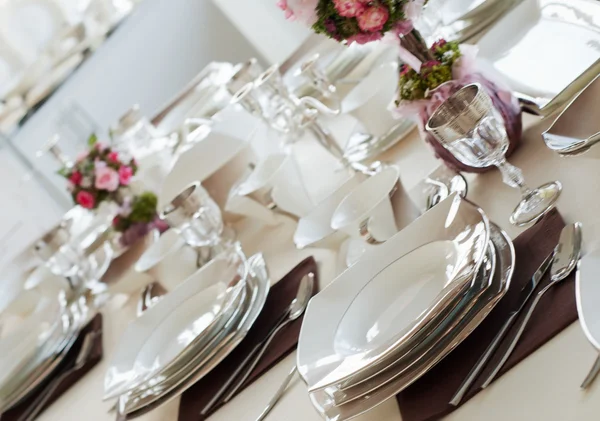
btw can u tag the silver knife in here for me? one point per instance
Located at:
(524, 297)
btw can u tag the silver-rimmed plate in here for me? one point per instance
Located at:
(328, 352)
(460, 20)
(257, 291)
(577, 128)
(505, 253)
(192, 312)
(49, 356)
(547, 50)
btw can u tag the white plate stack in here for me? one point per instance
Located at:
(180, 339)
(401, 308)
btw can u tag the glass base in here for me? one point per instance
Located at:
(537, 203)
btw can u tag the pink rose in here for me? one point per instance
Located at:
(106, 179)
(86, 199)
(113, 156)
(101, 146)
(75, 178)
(125, 174)
(349, 8)
(373, 19)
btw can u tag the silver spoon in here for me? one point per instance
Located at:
(295, 310)
(566, 258)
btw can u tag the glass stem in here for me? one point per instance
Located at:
(513, 177)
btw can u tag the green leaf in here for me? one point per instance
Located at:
(92, 140)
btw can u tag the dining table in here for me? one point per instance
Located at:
(543, 387)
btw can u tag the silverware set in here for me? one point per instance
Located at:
(561, 263)
(233, 384)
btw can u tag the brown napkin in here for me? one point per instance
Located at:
(280, 296)
(428, 398)
(95, 325)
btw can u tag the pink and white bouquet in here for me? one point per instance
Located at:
(351, 21)
(98, 175)
(101, 174)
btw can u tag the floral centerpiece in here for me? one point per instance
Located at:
(102, 175)
(428, 76)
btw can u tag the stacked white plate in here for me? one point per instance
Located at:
(37, 329)
(187, 333)
(392, 316)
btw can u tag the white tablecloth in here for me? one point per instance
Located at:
(545, 386)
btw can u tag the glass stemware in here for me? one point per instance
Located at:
(318, 78)
(197, 218)
(468, 125)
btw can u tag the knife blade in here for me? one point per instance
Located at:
(524, 296)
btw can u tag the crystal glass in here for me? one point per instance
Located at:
(245, 73)
(197, 218)
(468, 125)
(318, 78)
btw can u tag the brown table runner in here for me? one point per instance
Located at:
(428, 398)
(280, 296)
(95, 325)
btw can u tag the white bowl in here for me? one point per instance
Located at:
(314, 229)
(277, 178)
(168, 260)
(367, 212)
(369, 100)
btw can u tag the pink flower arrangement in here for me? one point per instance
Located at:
(359, 21)
(98, 175)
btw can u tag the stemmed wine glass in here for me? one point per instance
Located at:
(197, 218)
(469, 126)
(269, 99)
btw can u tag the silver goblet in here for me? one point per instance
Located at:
(468, 125)
(197, 218)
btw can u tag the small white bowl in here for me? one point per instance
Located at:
(314, 230)
(168, 260)
(367, 212)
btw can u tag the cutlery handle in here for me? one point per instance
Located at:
(515, 340)
(226, 386)
(277, 395)
(38, 405)
(483, 360)
(589, 379)
(210, 405)
(255, 361)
